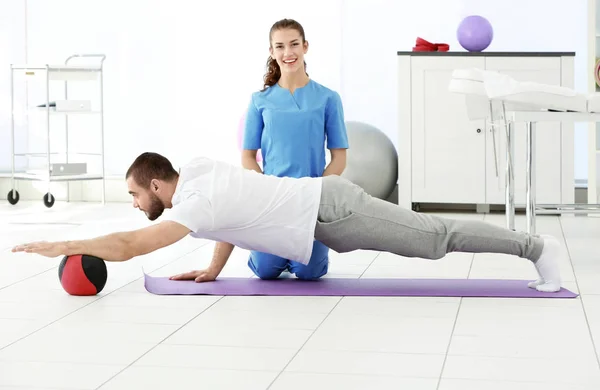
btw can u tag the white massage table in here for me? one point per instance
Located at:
(491, 95)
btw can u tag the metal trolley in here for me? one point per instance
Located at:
(60, 172)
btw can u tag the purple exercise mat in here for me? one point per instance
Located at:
(352, 287)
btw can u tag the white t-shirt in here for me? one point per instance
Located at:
(253, 211)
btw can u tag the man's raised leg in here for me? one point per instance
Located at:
(350, 219)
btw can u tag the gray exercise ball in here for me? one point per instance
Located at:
(372, 160)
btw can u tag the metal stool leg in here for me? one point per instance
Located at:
(530, 185)
(510, 177)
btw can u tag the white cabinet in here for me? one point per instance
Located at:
(444, 157)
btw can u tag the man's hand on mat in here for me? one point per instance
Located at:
(205, 275)
(44, 248)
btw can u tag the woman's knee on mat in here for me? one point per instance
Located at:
(266, 266)
(311, 272)
(316, 267)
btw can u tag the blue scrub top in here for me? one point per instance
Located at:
(292, 129)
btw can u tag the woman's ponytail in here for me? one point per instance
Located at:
(273, 73)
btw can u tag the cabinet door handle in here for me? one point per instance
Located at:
(479, 130)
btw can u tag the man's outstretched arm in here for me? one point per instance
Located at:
(119, 246)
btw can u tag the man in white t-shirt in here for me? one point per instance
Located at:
(283, 216)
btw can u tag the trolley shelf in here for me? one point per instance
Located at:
(55, 153)
(60, 73)
(46, 177)
(65, 73)
(60, 68)
(43, 110)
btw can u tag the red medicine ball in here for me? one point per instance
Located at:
(82, 274)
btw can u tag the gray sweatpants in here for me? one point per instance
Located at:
(350, 219)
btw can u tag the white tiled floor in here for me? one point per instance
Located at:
(127, 338)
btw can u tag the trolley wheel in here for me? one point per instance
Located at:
(13, 200)
(49, 200)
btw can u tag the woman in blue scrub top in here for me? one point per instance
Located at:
(292, 120)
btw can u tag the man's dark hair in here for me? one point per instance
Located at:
(148, 166)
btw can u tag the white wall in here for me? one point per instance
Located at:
(12, 50)
(375, 30)
(179, 73)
